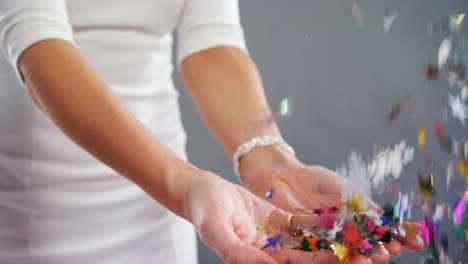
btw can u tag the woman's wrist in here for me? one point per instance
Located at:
(262, 163)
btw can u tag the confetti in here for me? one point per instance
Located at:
(460, 209)
(459, 110)
(464, 93)
(450, 169)
(388, 20)
(273, 241)
(422, 135)
(394, 113)
(439, 130)
(265, 118)
(432, 72)
(357, 16)
(444, 51)
(269, 194)
(458, 20)
(440, 211)
(340, 251)
(262, 228)
(312, 242)
(426, 187)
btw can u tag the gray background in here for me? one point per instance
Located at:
(344, 81)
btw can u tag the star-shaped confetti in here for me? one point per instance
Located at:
(459, 110)
(340, 251)
(273, 241)
(312, 242)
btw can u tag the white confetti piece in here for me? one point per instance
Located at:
(459, 110)
(464, 93)
(388, 21)
(444, 51)
(357, 16)
(368, 177)
(450, 168)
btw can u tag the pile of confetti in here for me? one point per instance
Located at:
(355, 229)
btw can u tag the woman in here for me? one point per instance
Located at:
(96, 135)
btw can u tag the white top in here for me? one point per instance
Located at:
(58, 204)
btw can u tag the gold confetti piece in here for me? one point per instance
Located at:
(458, 19)
(426, 187)
(355, 204)
(422, 135)
(340, 251)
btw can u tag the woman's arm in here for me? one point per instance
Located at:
(66, 88)
(228, 91)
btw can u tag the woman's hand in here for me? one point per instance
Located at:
(301, 189)
(226, 217)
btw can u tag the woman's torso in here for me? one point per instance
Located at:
(57, 200)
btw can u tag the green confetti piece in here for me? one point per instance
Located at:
(305, 246)
(262, 228)
(285, 107)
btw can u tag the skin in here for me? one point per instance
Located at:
(227, 89)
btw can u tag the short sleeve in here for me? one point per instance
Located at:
(25, 22)
(206, 24)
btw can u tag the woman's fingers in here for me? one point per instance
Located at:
(240, 253)
(301, 257)
(394, 248)
(230, 248)
(411, 240)
(381, 256)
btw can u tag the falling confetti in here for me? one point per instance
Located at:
(283, 111)
(426, 187)
(422, 135)
(357, 16)
(459, 110)
(450, 169)
(444, 51)
(439, 130)
(464, 93)
(432, 72)
(460, 209)
(458, 20)
(388, 20)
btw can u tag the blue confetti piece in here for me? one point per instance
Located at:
(269, 194)
(385, 220)
(444, 241)
(273, 241)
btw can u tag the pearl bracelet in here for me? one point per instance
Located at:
(261, 141)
